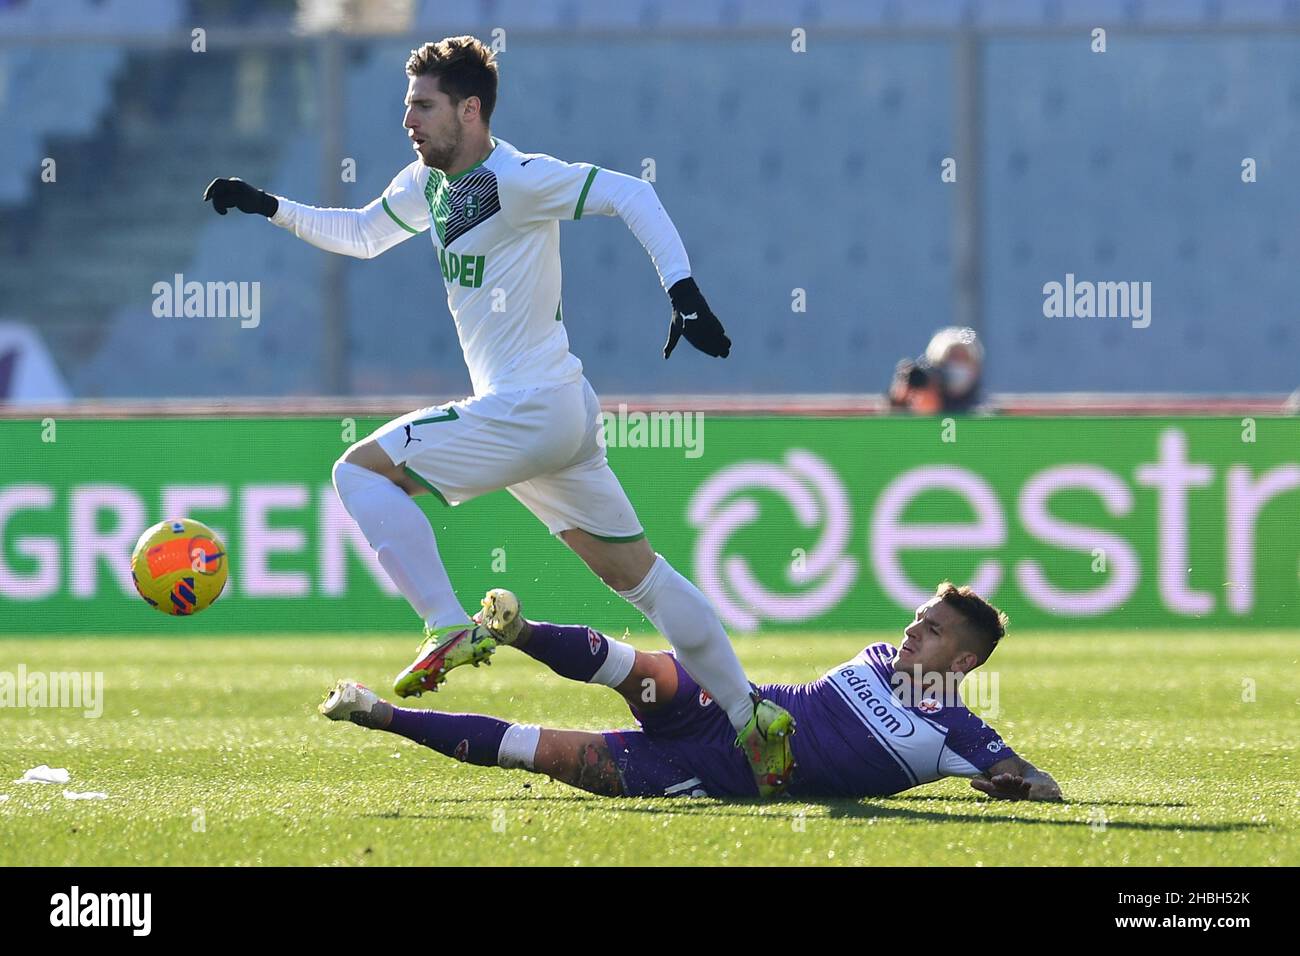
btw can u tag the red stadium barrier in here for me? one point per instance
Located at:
(831, 406)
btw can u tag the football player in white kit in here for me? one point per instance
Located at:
(533, 423)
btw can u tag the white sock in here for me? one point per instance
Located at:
(403, 540)
(518, 747)
(619, 661)
(683, 615)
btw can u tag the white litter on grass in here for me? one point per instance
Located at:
(89, 795)
(44, 774)
(3, 797)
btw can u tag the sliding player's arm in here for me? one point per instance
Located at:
(974, 749)
(1017, 779)
(401, 212)
(545, 188)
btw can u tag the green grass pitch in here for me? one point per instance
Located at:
(211, 752)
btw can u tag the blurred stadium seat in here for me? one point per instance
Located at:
(1128, 166)
(782, 171)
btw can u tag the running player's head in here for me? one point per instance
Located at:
(450, 95)
(953, 633)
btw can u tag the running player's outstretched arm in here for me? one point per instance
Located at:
(394, 217)
(1017, 779)
(546, 188)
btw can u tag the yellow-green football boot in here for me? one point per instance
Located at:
(442, 650)
(766, 743)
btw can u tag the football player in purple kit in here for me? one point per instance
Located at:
(871, 726)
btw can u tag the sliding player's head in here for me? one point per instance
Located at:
(450, 95)
(953, 633)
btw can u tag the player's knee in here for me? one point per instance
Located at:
(618, 578)
(344, 477)
(621, 565)
(372, 458)
(349, 476)
(335, 475)
(652, 682)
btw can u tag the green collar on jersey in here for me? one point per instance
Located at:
(470, 169)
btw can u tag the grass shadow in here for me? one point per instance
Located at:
(853, 810)
(972, 798)
(883, 808)
(400, 815)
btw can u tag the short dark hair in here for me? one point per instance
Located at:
(464, 67)
(988, 625)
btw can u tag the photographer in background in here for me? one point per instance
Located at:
(945, 379)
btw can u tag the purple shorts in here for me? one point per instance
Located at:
(686, 749)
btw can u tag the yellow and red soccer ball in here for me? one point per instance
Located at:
(179, 566)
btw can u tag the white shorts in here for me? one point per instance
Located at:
(542, 445)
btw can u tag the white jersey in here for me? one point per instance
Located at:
(495, 231)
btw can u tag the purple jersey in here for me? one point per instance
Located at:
(856, 737)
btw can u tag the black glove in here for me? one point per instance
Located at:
(693, 318)
(237, 194)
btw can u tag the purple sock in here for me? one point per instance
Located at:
(571, 650)
(472, 738)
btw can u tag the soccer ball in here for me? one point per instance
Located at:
(179, 566)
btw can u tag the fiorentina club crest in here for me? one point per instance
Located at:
(461, 752)
(929, 705)
(705, 699)
(593, 641)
